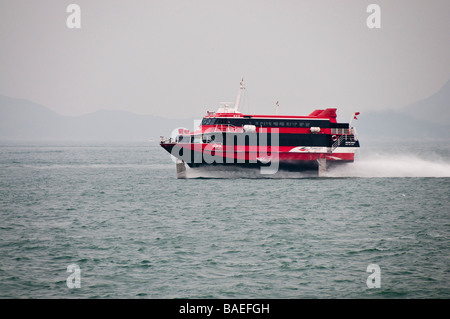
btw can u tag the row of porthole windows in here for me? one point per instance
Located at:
(264, 123)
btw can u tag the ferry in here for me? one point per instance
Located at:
(228, 140)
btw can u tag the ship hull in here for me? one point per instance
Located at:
(230, 141)
(200, 159)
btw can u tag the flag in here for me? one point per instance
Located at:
(356, 114)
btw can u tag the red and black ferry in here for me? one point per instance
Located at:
(228, 140)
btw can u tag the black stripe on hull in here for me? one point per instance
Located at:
(283, 166)
(284, 139)
(273, 122)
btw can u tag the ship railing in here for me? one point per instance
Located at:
(165, 140)
(217, 128)
(355, 135)
(345, 137)
(338, 142)
(227, 128)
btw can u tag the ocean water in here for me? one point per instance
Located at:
(117, 212)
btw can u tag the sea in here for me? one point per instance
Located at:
(110, 220)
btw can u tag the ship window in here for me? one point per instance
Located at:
(207, 138)
(341, 131)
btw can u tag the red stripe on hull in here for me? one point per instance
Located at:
(253, 153)
(280, 130)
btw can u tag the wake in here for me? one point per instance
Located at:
(368, 164)
(394, 165)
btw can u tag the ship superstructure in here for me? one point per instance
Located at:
(228, 139)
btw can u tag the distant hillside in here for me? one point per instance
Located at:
(25, 120)
(428, 119)
(435, 108)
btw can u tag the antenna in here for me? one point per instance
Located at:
(238, 99)
(277, 105)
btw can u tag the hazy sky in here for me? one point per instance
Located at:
(179, 58)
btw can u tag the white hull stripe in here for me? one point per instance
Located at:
(311, 149)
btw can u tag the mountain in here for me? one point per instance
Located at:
(24, 120)
(435, 109)
(427, 119)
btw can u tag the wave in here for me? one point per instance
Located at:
(370, 165)
(394, 165)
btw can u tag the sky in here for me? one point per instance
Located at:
(180, 58)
